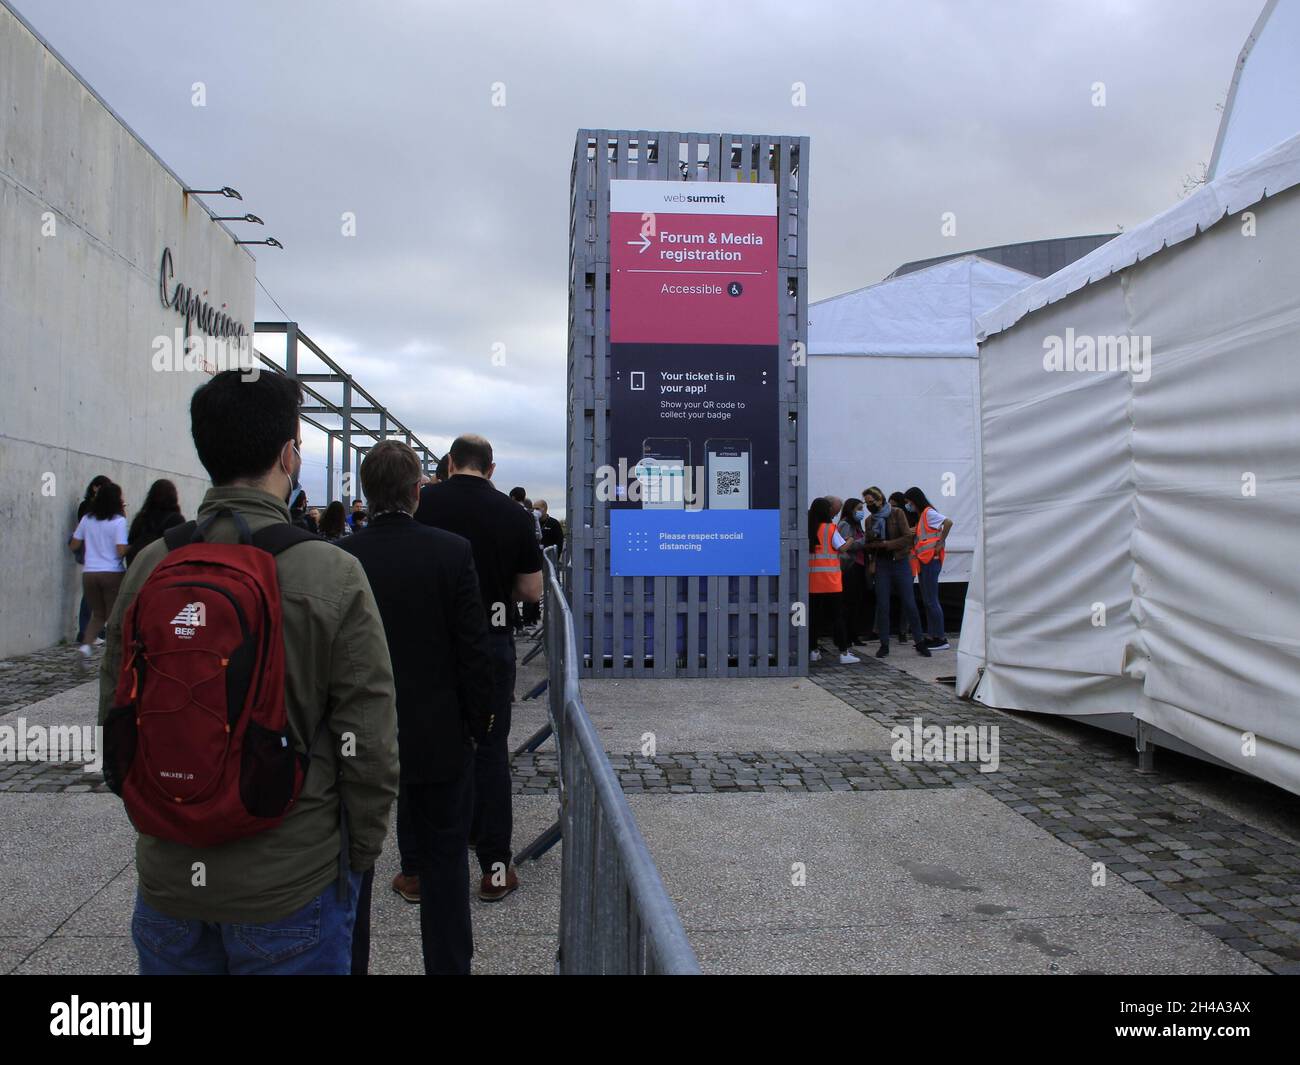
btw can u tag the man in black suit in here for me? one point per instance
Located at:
(428, 594)
(509, 565)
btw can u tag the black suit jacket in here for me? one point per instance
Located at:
(428, 596)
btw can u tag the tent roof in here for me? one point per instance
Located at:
(1266, 175)
(925, 313)
(1260, 108)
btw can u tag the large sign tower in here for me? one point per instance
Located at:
(687, 391)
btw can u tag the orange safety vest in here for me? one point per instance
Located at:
(824, 564)
(927, 542)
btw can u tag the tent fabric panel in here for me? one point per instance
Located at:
(1058, 500)
(1216, 445)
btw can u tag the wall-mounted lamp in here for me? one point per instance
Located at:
(270, 242)
(225, 191)
(238, 218)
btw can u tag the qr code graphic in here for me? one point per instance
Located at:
(728, 482)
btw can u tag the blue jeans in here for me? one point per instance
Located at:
(930, 596)
(315, 940)
(895, 579)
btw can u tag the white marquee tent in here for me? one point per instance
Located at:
(893, 389)
(1260, 110)
(1139, 553)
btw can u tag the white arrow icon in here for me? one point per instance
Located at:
(644, 242)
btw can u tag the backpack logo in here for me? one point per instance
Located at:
(191, 617)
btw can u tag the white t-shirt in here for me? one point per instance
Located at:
(837, 541)
(101, 539)
(935, 519)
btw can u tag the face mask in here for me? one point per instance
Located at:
(294, 487)
(911, 509)
(859, 516)
(874, 508)
(537, 514)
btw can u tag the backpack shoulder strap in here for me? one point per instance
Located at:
(179, 535)
(280, 536)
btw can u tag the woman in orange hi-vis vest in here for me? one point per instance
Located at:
(825, 548)
(927, 563)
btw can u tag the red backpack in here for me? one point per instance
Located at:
(197, 743)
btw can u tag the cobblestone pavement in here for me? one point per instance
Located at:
(1238, 882)
(30, 678)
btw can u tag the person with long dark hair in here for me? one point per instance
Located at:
(101, 533)
(932, 530)
(826, 547)
(83, 611)
(161, 510)
(333, 523)
(853, 568)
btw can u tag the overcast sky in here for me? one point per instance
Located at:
(384, 109)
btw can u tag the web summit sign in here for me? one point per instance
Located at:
(190, 305)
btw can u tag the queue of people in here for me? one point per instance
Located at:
(863, 556)
(103, 544)
(394, 687)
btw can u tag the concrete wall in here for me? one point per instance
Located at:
(80, 310)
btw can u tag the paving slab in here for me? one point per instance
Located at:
(56, 854)
(1152, 944)
(82, 955)
(726, 714)
(885, 860)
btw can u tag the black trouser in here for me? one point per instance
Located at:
(492, 822)
(856, 621)
(440, 813)
(408, 850)
(828, 613)
(361, 928)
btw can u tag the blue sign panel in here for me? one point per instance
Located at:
(690, 543)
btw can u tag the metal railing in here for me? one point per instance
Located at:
(615, 915)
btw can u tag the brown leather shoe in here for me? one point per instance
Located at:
(407, 886)
(490, 892)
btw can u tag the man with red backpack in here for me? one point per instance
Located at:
(249, 714)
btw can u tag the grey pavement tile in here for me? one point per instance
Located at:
(726, 714)
(56, 854)
(1124, 944)
(83, 955)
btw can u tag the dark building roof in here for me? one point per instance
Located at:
(1037, 257)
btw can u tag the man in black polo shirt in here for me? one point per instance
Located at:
(552, 530)
(509, 565)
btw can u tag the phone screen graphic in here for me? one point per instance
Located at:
(662, 472)
(727, 474)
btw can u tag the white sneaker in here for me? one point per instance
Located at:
(99, 641)
(814, 656)
(848, 658)
(85, 650)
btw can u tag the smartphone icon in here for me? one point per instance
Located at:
(662, 472)
(727, 474)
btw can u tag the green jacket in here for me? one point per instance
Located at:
(336, 659)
